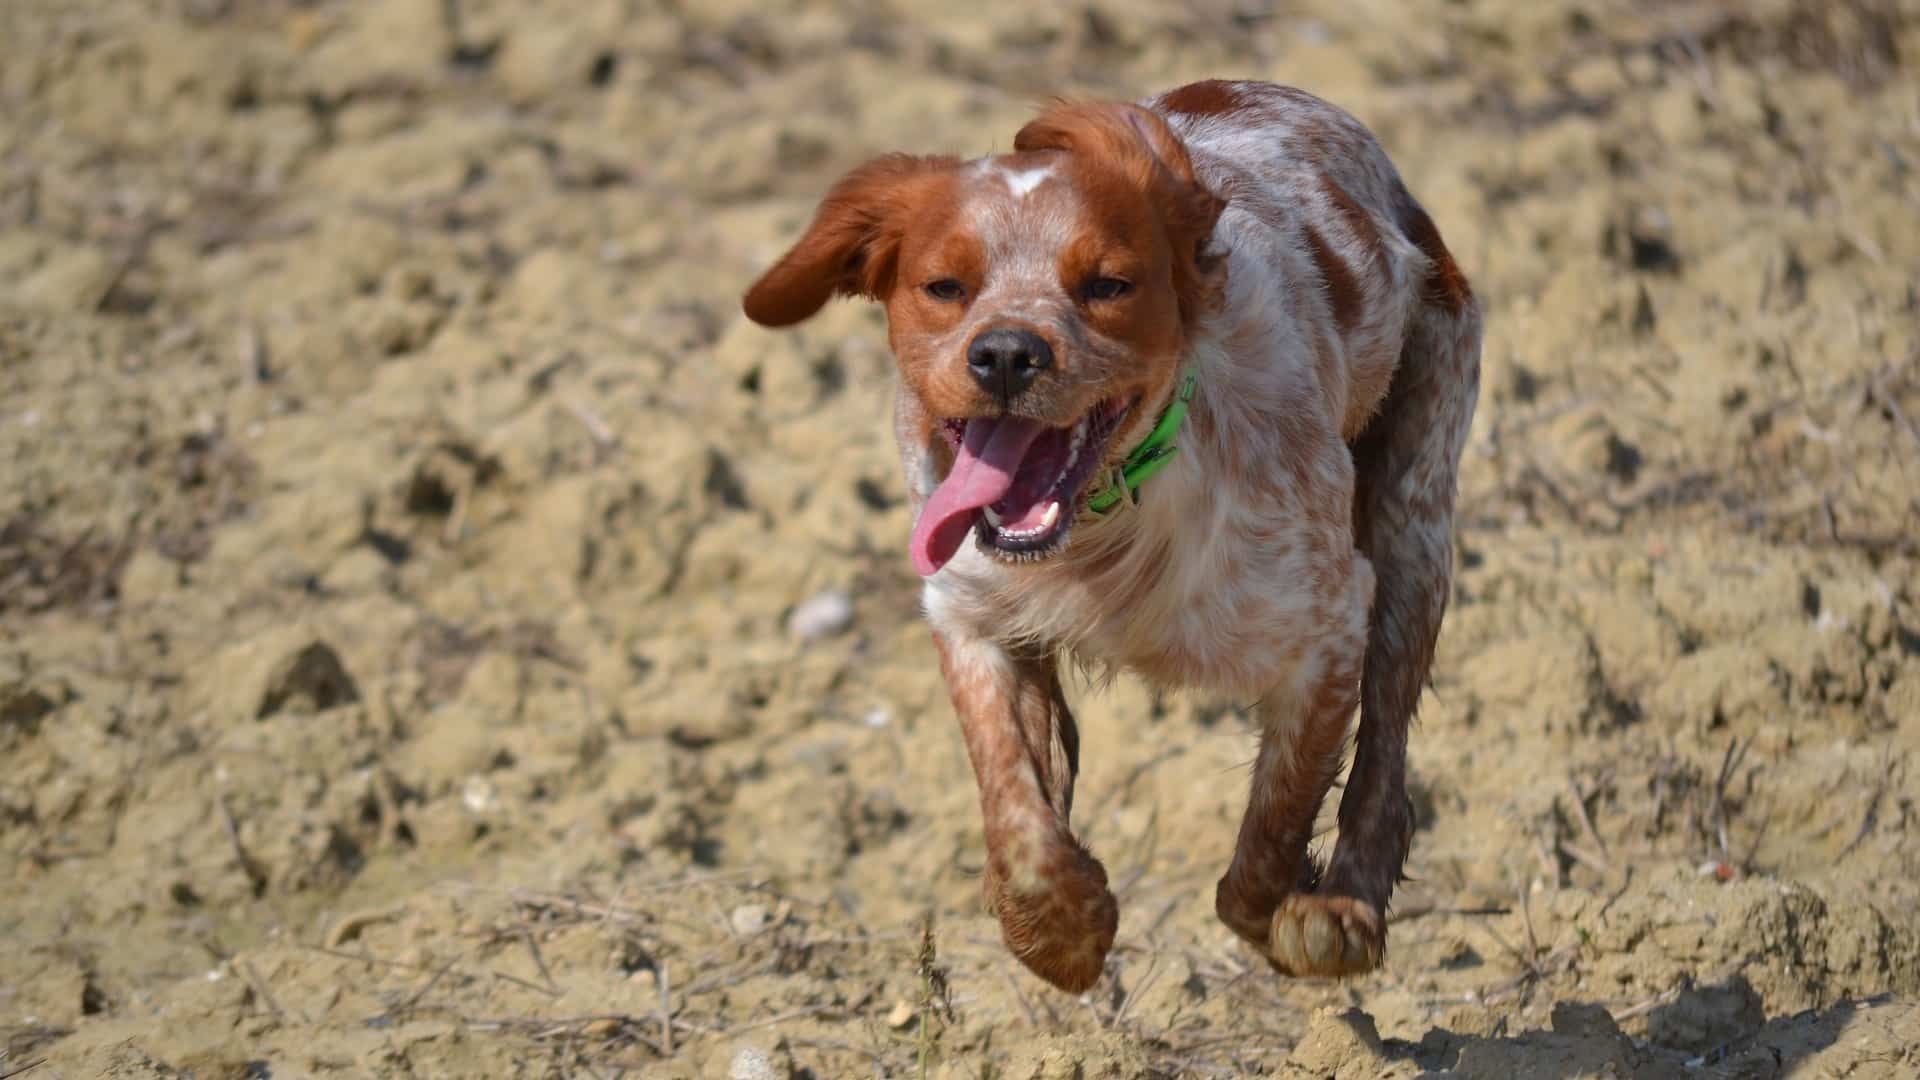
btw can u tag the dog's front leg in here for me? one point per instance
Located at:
(1050, 895)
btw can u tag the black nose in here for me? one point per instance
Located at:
(1004, 362)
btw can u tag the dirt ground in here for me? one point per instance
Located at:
(439, 636)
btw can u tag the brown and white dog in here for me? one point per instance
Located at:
(1250, 249)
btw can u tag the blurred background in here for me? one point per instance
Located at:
(439, 636)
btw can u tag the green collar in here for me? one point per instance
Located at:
(1149, 457)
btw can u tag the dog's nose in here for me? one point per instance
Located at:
(1005, 361)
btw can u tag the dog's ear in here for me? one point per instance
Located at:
(853, 243)
(1150, 156)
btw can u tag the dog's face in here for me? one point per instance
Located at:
(1038, 305)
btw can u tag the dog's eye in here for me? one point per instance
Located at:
(1107, 288)
(946, 289)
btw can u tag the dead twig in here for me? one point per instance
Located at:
(603, 436)
(539, 961)
(1147, 980)
(1543, 849)
(1584, 816)
(411, 999)
(1878, 393)
(1586, 858)
(1868, 820)
(256, 873)
(1020, 999)
(1421, 911)
(1647, 1006)
(352, 923)
(8, 1073)
(265, 993)
(781, 1018)
(363, 958)
(666, 1008)
(935, 996)
(527, 983)
(1526, 923)
(1729, 764)
(874, 1056)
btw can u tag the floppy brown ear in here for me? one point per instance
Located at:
(853, 243)
(1153, 158)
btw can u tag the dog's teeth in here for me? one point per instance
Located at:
(993, 519)
(1074, 441)
(1052, 515)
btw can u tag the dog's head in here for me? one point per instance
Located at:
(1039, 304)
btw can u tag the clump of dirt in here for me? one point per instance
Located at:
(439, 634)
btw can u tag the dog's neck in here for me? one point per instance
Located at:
(1149, 455)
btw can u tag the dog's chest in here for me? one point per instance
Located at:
(1202, 592)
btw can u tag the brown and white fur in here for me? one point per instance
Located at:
(1296, 552)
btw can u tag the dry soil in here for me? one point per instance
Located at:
(402, 534)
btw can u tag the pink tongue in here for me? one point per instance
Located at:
(983, 470)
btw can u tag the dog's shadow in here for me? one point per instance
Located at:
(1717, 1031)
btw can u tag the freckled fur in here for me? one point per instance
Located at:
(1296, 552)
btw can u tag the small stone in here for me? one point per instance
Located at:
(900, 1016)
(752, 1063)
(601, 1028)
(478, 794)
(748, 919)
(824, 615)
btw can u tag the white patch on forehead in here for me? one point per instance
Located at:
(1022, 183)
(1019, 228)
(1022, 238)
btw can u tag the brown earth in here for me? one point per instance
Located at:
(401, 533)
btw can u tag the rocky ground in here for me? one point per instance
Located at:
(440, 637)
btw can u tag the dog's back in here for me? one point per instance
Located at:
(1309, 184)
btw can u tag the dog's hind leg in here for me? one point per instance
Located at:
(1407, 463)
(1268, 894)
(1304, 721)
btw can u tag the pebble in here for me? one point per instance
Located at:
(752, 1063)
(478, 794)
(823, 615)
(748, 919)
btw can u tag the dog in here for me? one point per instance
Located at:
(1184, 385)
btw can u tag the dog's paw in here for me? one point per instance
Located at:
(1063, 923)
(1315, 934)
(1248, 912)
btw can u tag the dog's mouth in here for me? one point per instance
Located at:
(1016, 485)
